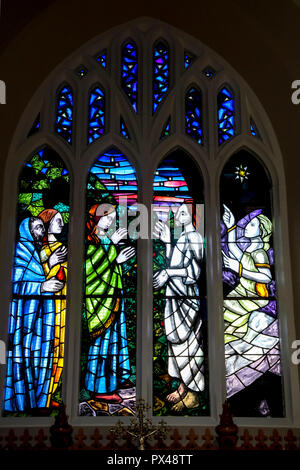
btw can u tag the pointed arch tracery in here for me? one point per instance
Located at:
(254, 385)
(37, 313)
(158, 118)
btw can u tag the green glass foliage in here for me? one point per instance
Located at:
(43, 184)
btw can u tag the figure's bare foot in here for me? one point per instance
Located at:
(191, 400)
(178, 395)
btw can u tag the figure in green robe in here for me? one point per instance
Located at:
(108, 367)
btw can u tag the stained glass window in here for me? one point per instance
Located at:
(253, 129)
(226, 115)
(64, 113)
(129, 73)
(109, 315)
(193, 114)
(102, 59)
(96, 124)
(180, 368)
(166, 129)
(180, 381)
(161, 73)
(35, 348)
(188, 59)
(123, 129)
(36, 126)
(250, 307)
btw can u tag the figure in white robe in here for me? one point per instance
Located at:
(182, 317)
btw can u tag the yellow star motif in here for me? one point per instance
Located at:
(241, 173)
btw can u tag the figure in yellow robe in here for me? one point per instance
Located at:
(56, 268)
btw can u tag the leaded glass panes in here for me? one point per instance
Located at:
(253, 129)
(166, 129)
(35, 348)
(226, 115)
(123, 129)
(96, 124)
(64, 113)
(188, 59)
(180, 382)
(102, 59)
(161, 73)
(108, 348)
(250, 307)
(129, 73)
(193, 114)
(36, 126)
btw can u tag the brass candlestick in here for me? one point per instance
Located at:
(140, 428)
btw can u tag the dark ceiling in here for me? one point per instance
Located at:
(15, 14)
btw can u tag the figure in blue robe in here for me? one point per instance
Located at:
(31, 329)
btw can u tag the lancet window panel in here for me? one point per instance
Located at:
(226, 115)
(129, 73)
(254, 385)
(37, 314)
(193, 114)
(108, 345)
(180, 358)
(64, 113)
(161, 73)
(96, 116)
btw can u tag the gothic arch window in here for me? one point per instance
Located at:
(180, 362)
(254, 385)
(37, 314)
(108, 349)
(159, 119)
